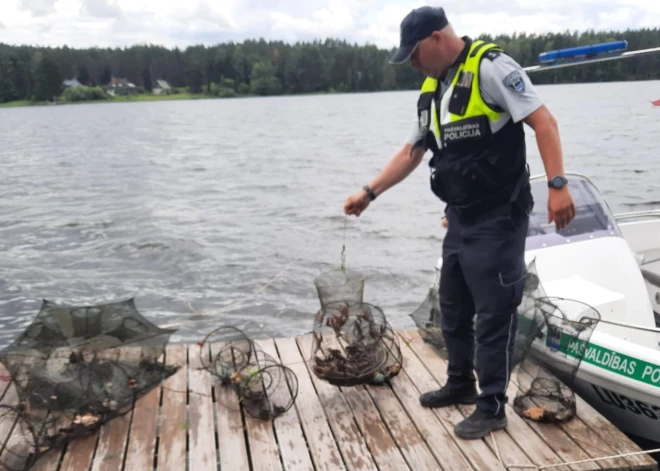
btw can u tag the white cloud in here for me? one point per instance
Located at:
(335, 19)
(84, 23)
(101, 8)
(38, 8)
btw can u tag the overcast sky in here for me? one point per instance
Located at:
(85, 23)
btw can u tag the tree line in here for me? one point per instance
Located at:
(259, 67)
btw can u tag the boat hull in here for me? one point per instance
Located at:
(619, 379)
(624, 407)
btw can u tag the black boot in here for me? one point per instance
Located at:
(449, 395)
(480, 424)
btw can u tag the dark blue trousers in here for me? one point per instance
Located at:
(483, 273)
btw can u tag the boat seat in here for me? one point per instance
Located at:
(576, 288)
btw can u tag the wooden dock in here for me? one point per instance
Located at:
(190, 424)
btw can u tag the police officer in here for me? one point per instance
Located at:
(470, 114)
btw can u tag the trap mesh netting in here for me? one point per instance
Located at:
(428, 316)
(352, 341)
(547, 373)
(265, 388)
(550, 341)
(73, 369)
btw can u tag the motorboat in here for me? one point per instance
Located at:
(611, 264)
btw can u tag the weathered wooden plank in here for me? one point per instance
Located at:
(539, 446)
(359, 428)
(528, 441)
(384, 449)
(113, 434)
(79, 454)
(585, 438)
(555, 437)
(293, 447)
(352, 445)
(112, 444)
(565, 443)
(46, 462)
(561, 441)
(263, 447)
(476, 451)
(323, 448)
(142, 444)
(231, 437)
(202, 454)
(82, 453)
(264, 452)
(17, 450)
(567, 436)
(593, 445)
(15, 447)
(15, 438)
(614, 437)
(403, 430)
(380, 442)
(9, 398)
(440, 441)
(509, 449)
(5, 380)
(172, 444)
(49, 461)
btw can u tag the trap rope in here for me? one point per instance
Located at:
(251, 296)
(563, 463)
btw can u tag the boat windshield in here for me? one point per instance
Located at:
(593, 218)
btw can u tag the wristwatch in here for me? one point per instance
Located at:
(370, 194)
(557, 182)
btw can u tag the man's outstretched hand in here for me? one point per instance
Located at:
(561, 208)
(357, 203)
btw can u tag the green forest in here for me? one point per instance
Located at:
(259, 67)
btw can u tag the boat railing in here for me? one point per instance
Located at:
(631, 326)
(649, 213)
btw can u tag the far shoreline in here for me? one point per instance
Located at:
(205, 96)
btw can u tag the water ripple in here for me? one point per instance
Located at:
(192, 206)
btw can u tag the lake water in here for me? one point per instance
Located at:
(192, 206)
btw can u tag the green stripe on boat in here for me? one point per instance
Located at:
(619, 363)
(604, 358)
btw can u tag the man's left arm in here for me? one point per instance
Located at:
(505, 84)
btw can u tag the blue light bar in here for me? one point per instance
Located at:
(583, 52)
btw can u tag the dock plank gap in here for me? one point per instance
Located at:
(192, 423)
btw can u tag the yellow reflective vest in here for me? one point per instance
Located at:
(479, 156)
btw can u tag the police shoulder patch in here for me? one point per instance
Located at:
(514, 82)
(492, 55)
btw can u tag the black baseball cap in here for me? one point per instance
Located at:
(415, 27)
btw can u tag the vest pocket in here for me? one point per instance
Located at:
(464, 181)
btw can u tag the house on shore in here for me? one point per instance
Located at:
(71, 83)
(121, 86)
(162, 88)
